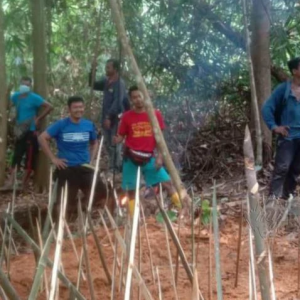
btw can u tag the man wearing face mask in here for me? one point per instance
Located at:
(27, 106)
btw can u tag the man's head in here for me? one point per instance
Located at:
(25, 85)
(76, 107)
(136, 97)
(112, 67)
(294, 66)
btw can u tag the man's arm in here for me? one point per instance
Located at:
(119, 93)
(98, 85)
(46, 109)
(44, 140)
(93, 149)
(269, 109)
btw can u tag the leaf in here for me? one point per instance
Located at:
(171, 214)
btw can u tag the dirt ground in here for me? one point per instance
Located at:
(285, 265)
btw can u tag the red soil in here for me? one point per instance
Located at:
(285, 266)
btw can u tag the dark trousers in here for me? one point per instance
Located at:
(79, 178)
(287, 168)
(28, 145)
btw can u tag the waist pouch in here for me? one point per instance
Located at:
(138, 157)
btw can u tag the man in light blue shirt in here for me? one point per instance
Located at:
(28, 105)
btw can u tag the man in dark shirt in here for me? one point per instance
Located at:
(281, 113)
(115, 101)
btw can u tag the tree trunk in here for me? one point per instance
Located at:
(256, 220)
(254, 104)
(40, 80)
(3, 100)
(161, 144)
(260, 26)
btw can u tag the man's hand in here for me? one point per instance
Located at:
(59, 163)
(36, 121)
(158, 162)
(107, 124)
(117, 139)
(282, 130)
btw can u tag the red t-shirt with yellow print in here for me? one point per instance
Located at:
(138, 131)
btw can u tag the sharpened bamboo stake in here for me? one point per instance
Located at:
(122, 282)
(195, 295)
(4, 238)
(239, 245)
(149, 246)
(273, 293)
(100, 251)
(2, 294)
(57, 255)
(252, 259)
(7, 287)
(169, 249)
(36, 248)
(159, 285)
(40, 269)
(42, 248)
(210, 290)
(12, 213)
(122, 243)
(85, 252)
(217, 245)
(133, 236)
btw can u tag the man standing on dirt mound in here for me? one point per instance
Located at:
(281, 113)
(140, 144)
(27, 106)
(115, 101)
(76, 140)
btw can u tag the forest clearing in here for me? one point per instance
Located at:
(149, 149)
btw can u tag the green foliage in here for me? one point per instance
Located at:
(205, 207)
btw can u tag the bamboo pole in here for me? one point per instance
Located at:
(257, 226)
(36, 248)
(195, 293)
(271, 274)
(161, 144)
(7, 287)
(40, 268)
(210, 290)
(99, 248)
(159, 285)
(57, 255)
(255, 108)
(217, 245)
(122, 243)
(133, 236)
(239, 248)
(85, 252)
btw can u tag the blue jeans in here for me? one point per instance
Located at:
(114, 151)
(287, 168)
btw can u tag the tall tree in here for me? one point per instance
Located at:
(260, 26)
(40, 79)
(3, 100)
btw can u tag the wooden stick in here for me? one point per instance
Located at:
(114, 270)
(133, 236)
(99, 248)
(239, 248)
(122, 260)
(140, 255)
(85, 252)
(4, 239)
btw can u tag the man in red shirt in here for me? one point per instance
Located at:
(140, 144)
